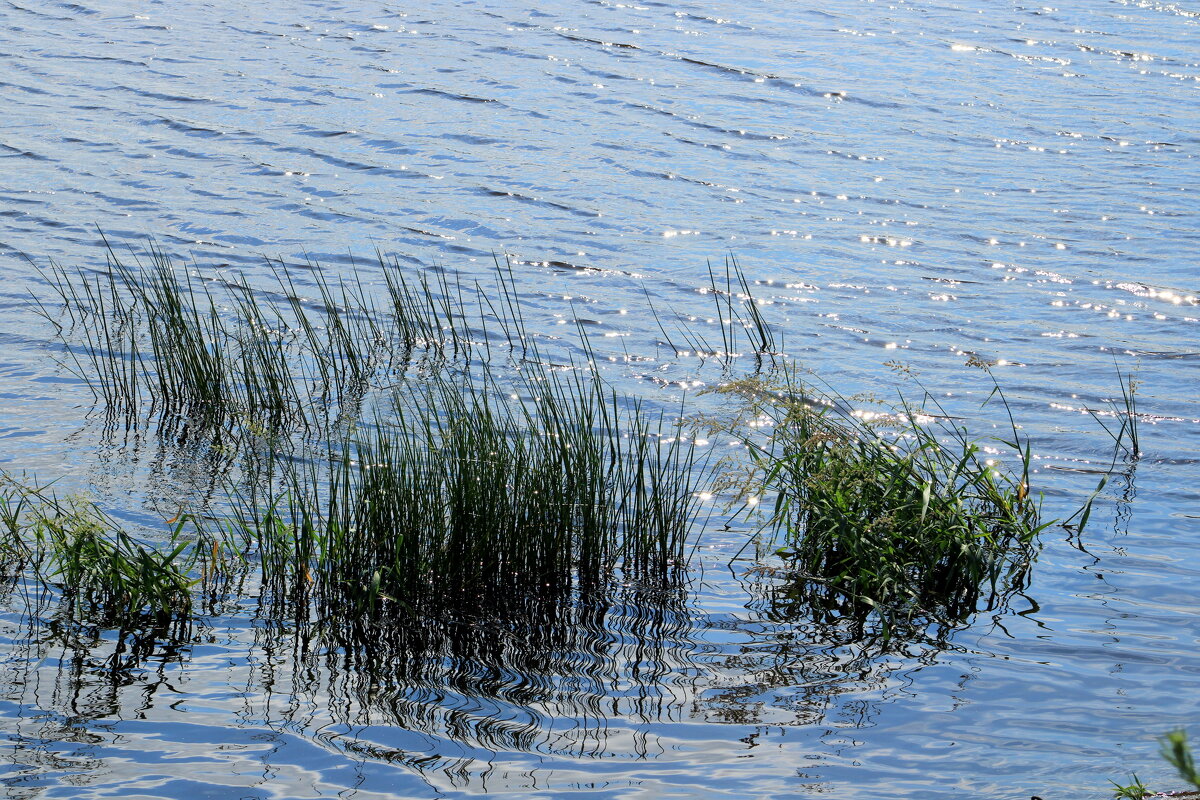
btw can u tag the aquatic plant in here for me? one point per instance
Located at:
(902, 516)
(154, 340)
(1125, 444)
(479, 529)
(1125, 437)
(442, 476)
(1134, 790)
(100, 571)
(1178, 754)
(738, 317)
(466, 495)
(402, 479)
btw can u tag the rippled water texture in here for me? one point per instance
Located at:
(913, 182)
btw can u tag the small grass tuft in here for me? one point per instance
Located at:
(737, 321)
(1134, 790)
(101, 572)
(904, 517)
(1176, 751)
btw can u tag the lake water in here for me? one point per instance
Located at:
(910, 182)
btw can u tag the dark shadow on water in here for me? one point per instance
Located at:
(462, 698)
(545, 673)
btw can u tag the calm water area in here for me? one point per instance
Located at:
(907, 183)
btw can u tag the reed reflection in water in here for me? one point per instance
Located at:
(532, 691)
(453, 697)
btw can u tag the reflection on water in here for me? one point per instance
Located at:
(478, 700)
(548, 679)
(581, 677)
(801, 656)
(63, 682)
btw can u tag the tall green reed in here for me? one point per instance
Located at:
(741, 323)
(467, 477)
(152, 340)
(470, 492)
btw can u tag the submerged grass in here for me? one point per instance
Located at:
(902, 516)
(151, 340)
(744, 329)
(100, 571)
(453, 485)
(463, 483)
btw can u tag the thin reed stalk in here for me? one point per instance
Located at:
(743, 327)
(153, 340)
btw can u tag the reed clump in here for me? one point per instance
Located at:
(466, 483)
(460, 483)
(468, 494)
(99, 570)
(152, 340)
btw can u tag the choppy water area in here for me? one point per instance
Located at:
(912, 183)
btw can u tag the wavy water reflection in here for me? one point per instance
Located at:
(524, 698)
(446, 698)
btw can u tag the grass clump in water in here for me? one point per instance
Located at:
(101, 572)
(467, 497)
(893, 516)
(456, 493)
(152, 340)
(464, 492)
